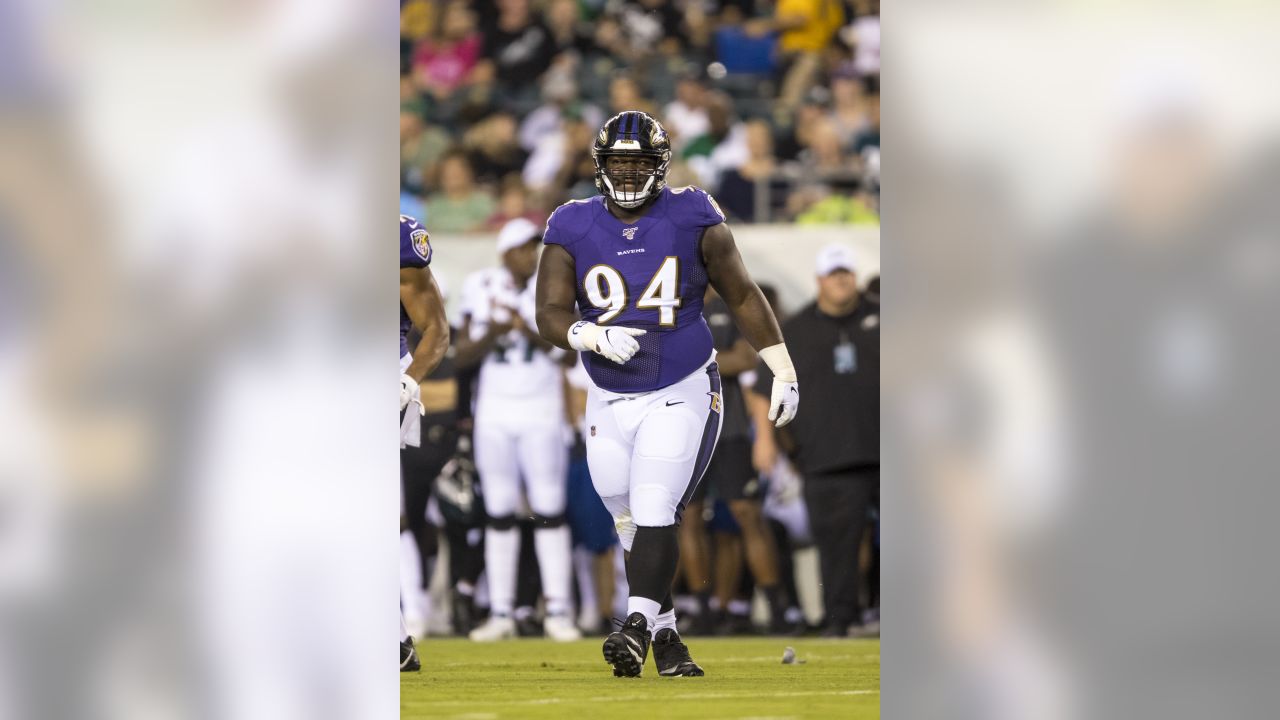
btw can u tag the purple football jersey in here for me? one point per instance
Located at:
(647, 275)
(415, 252)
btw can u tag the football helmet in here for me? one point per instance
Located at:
(632, 133)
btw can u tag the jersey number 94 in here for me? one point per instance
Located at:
(607, 290)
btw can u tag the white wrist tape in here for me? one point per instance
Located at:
(583, 336)
(779, 362)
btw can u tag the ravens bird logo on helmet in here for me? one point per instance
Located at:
(631, 136)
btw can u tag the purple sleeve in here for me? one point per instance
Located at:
(706, 210)
(563, 228)
(695, 208)
(415, 244)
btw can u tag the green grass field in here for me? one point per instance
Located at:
(745, 679)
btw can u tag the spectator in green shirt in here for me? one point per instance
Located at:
(459, 206)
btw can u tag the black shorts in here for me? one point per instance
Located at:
(730, 475)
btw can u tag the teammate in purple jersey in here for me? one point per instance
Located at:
(622, 280)
(420, 306)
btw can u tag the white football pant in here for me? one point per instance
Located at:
(648, 451)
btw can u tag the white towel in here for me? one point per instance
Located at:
(411, 423)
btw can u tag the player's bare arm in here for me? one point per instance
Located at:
(728, 275)
(421, 299)
(558, 321)
(471, 351)
(556, 296)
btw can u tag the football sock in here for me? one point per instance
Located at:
(404, 631)
(553, 547)
(666, 619)
(666, 615)
(651, 570)
(646, 607)
(501, 553)
(413, 601)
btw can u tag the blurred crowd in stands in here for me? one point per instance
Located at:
(773, 107)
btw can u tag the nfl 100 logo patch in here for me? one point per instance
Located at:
(630, 233)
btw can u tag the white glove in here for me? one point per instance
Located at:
(616, 343)
(784, 401)
(409, 391)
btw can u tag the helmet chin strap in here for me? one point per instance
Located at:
(636, 198)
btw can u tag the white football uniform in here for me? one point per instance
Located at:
(519, 409)
(519, 442)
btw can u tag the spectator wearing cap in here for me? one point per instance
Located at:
(835, 345)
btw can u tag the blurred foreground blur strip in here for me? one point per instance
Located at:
(1081, 212)
(192, 399)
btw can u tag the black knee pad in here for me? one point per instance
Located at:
(543, 521)
(506, 522)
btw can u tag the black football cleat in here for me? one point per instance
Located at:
(671, 656)
(627, 648)
(409, 657)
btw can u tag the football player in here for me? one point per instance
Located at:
(622, 281)
(519, 433)
(420, 306)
